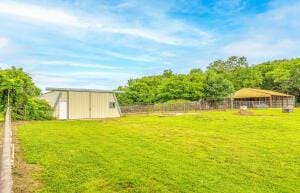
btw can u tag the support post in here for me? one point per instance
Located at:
(90, 107)
(231, 102)
(68, 103)
(6, 181)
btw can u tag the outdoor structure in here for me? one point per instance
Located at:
(70, 103)
(255, 98)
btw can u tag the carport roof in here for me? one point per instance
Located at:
(255, 93)
(82, 90)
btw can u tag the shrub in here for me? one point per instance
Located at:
(178, 101)
(34, 109)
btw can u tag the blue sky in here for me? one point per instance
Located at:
(102, 44)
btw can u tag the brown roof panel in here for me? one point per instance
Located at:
(253, 93)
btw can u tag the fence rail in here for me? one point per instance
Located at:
(6, 181)
(200, 105)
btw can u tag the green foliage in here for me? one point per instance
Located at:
(208, 152)
(217, 87)
(38, 109)
(178, 101)
(22, 93)
(228, 65)
(162, 88)
(141, 91)
(180, 87)
(221, 78)
(237, 70)
(281, 75)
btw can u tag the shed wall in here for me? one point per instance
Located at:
(51, 98)
(79, 105)
(64, 96)
(83, 105)
(100, 105)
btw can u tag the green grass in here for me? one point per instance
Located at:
(205, 152)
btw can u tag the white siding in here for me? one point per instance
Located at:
(51, 98)
(79, 105)
(100, 106)
(83, 105)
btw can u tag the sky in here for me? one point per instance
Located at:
(101, 44)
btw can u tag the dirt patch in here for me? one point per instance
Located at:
(23, 173)
(245, 113)
(170, 114)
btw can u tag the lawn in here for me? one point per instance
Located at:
(206, 152)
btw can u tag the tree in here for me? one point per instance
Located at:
(232, 63)
(18, 86)
(140, 91)
(281, 75)
(178, 87)
(237, 70)
(245, 77)
(216, 87)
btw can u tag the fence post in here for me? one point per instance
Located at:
(6, 162)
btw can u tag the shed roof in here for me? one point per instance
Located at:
(82, 90)
(253, 93)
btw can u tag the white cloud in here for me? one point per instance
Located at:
(167, 54)
(143, 33)
(77, 64)
(42, 14)
(82, 79)
(270, 35)
(3, 42)
(48, 79)
(260, 49)
(140, 58)
(2, 65)
(100, 74)
(164, 31)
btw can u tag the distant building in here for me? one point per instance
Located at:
(252, 97)
(69, 103)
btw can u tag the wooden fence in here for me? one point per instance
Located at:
(198, 106)
(6, 181)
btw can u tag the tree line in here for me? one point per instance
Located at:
(220, 79)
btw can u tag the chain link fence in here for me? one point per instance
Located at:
(201, 105)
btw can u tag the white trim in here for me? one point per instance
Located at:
(83, 90)
(117, 104)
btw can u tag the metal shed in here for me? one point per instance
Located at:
(253, 97)
(71, 103)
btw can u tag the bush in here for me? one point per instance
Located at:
(34, 109)
(38, 109)
(178, 101)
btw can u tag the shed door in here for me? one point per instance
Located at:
(63, 110)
